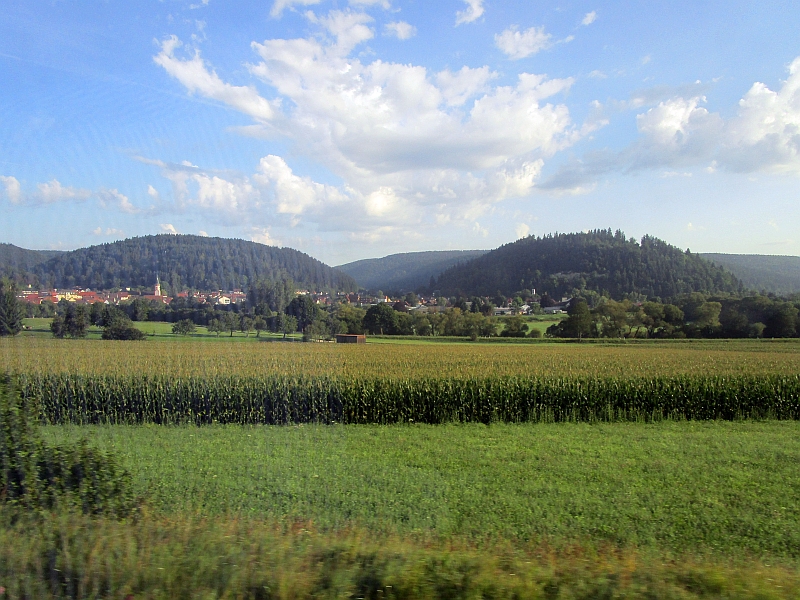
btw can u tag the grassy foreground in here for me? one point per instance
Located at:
(719, 488)
(70, 556)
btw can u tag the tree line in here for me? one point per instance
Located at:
(273, 305)
(692, 315)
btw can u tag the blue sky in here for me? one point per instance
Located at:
(358, 128)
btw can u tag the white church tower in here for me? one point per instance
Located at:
(157, 291)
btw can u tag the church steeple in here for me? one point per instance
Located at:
(157, 291)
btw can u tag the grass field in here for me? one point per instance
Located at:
(712, 487)
(156, 331)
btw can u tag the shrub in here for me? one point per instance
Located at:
(122, 329)
(34, 475)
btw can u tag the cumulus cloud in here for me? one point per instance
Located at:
(456, 88)
(401, 30)
(262, 236)
(52, 192)
(197, 78)
(169, 228)
(293, 195)
(473, 12)
(522, 230)
(519, 44)
(202, 233)
(589, 18)
(114, 198)
(109, 232)
(382, 3)
(12, 187)
(680, 132)
(409, 147)
(279, 5)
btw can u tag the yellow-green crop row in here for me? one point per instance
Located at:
(90, 382)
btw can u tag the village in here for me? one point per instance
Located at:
(410, 302)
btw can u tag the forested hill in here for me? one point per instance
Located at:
(776, 274)
(186, 261)
(406, 271)
(599, 261)
(14, 259)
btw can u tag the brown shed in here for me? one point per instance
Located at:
(349, 338)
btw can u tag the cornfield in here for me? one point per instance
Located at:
(93, 382)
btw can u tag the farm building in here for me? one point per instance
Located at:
(347, 338)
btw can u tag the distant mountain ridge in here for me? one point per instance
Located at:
(598, 261)
(183, 261)
(760, 272)
(405, 271)
(15, 259)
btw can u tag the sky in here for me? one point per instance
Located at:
(353, 129)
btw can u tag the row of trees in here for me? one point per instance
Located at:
(73, 320)
(274, 306)
(691, 315)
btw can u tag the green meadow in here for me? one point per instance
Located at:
(726, 488)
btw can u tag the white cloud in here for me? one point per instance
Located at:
(456, 88)
(202, 233)
(764, 135)
(478, 229)
(385, 4)
(401, 30)
(279, 5)
(349, 28)
(195, 76)
(169, 228)
(53, 191)
(522, 230)
(597, 75)
(519, 44)
(590, 18)
(408, 147)
(292, 195)
(109, 232)
(114, 197)
(12, 189)
(262, 236)
(473, 12)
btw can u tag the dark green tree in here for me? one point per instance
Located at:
(259, 324)
(381, 319)
(514, 327)
(216, 326)
(304, 309)
(184, 327)
(11, 310)
(122, 328)
(73, 321)
(579, 322)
